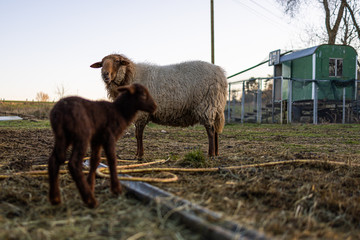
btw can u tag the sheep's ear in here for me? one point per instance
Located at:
(124, 62)
(96, 65)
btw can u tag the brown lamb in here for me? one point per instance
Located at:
(78, 122)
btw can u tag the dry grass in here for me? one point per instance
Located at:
(26, 109)
(296, 201)
(25, 213)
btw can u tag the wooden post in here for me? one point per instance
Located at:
(212, 32)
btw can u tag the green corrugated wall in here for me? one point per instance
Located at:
(301, 68)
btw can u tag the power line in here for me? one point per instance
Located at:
(259, 14)
(267, 10)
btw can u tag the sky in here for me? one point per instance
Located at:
(47, 44)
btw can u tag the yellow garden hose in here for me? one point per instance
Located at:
(105, 171)
(170, 177)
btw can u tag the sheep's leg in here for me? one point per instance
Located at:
(216, 138)
(94, 163)
(109, 149)
(53, 170)
(139, 131)
(75, 168)
(211, 137)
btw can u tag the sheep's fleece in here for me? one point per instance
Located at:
(186, 93)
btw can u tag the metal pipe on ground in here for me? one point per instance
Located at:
(210, 224)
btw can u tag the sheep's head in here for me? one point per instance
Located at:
(115, 69)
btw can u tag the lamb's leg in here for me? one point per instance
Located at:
(216, 138)
(211, 137)
(109, 148)
(56, 159)
(94, 163)
(139, 131)
(75, 168)
(53, 170)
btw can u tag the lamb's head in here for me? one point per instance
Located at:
(138, 97)
(116, 69)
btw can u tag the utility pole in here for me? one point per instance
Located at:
(212, 32)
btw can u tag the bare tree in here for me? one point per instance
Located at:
(341, 19)
(291, 7)
(354, 9)
(42, 97)
(333, 28)
(60, 91)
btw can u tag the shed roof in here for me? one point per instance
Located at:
(298, 54)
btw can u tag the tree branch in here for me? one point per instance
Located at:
(332, 32)
(353, 18)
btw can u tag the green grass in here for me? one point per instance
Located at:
(260, 131)
(39, 110)
(351, 141)
(195, 158)
(25, 124)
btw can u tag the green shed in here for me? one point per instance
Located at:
(334, 67)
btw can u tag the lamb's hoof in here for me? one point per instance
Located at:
(55, 200)
(116, 190)
(92, 203)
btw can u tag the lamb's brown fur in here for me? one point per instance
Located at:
(186, 94)
(79, 122)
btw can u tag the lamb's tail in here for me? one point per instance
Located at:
(219, 122)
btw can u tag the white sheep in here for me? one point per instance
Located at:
(186, 94)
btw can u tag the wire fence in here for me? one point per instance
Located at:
(256, 100)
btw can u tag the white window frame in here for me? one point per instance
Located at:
(337, 60)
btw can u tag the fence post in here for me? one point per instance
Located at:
(273, 101)
(289, 101)
(258, 110)
(315, 109)
(281, 100)
(343, 108)
(243, 103)
(229, 107)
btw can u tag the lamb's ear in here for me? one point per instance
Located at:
(96, 65)
(123, 89)
(131, 89)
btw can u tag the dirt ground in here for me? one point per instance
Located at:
(315, 200)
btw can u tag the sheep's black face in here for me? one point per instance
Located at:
(147, 103)
(139, 97)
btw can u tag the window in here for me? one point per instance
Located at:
(335, 67)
